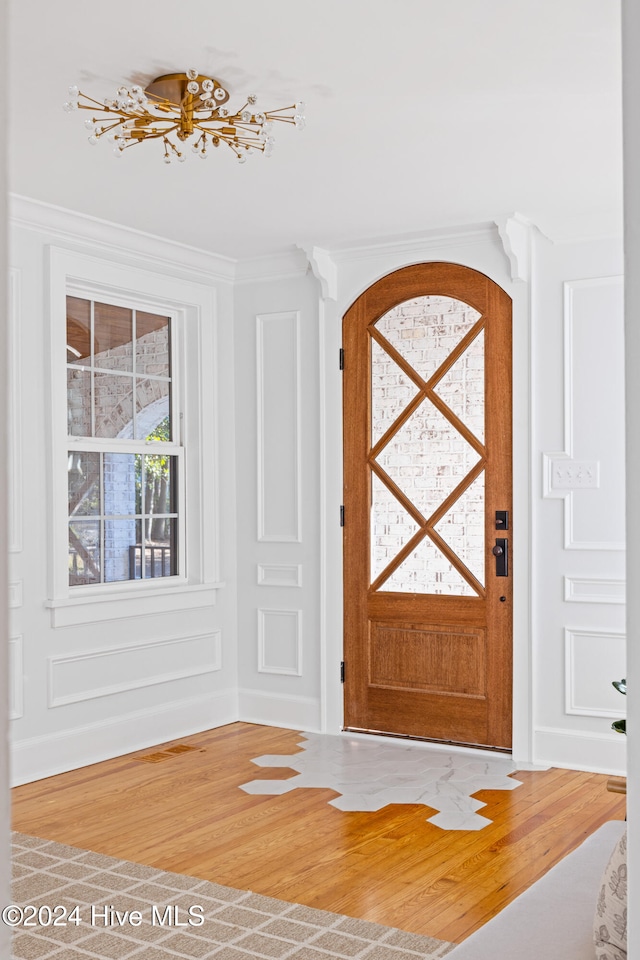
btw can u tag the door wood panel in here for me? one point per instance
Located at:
(427, 463)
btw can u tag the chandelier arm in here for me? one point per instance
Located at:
(156, 134)
(269, 113)
(84, 106)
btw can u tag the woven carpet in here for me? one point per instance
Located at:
(72, 903)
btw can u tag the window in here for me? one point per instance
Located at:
(124, 458)
(132, 487)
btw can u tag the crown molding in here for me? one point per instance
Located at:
(282, 265)
(324, 269)
(118, 242)
(515, 233)
(415, 245)
(408, 248)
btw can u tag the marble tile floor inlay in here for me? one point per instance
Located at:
(368, 775)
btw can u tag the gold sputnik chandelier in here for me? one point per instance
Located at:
(182, 107)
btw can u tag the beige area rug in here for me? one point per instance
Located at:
(71, 903)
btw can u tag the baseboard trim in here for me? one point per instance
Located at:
(46, 756)
(278, 710)
(576, 750)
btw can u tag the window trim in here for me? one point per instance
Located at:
(191, 306)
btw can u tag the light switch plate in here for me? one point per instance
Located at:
(575, 474)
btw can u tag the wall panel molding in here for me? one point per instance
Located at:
(15, 594)
(16, 678)
(85, 676)
(594, 590)
(593, 659)
(279, 575)
(280, 642)
(565, 475)
(279, 428)
(14, 405)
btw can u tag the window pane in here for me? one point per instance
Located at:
(78, 330)
(427, 458)
(119, 549)
(160, 547)
(84, 552)
(135, 554)
(152, 344)
(152, 410)
(113, 405)
(78, 402)
(120, 485)
(427, 570)
(84, 483)
(424, 331)
(113, 337)
(159, 489)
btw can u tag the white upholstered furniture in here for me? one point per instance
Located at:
(553, 919)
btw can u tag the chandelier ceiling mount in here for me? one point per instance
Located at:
(178, 107)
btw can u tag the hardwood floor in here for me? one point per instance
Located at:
(186, 814)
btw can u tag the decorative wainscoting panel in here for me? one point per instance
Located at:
(14, 407)
(100, 673)
(278, 419)
(279, 575)
(589, 473)
(593, 660)
(280, 642)
(16, 678)
(594, 590)
(15, 594)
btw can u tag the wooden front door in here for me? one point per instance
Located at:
(427, 507)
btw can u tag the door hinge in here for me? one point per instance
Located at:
(342, 514)
(342, 671)
(341, 358)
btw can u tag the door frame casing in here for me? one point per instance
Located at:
(344, 274)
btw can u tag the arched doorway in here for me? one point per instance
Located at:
(428, 518)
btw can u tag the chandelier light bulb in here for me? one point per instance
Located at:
(180, 110)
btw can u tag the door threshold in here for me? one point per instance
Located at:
(428, 741)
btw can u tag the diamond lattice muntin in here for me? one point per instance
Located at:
(427, 436)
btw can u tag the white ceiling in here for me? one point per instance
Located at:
(420, 114)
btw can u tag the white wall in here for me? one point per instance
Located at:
(95, 679)
(5, 818)
(578, 491)
(277, 438)
(631, 81)
(566, 651)
(279, 487)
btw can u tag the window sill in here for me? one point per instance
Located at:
(122, 604)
